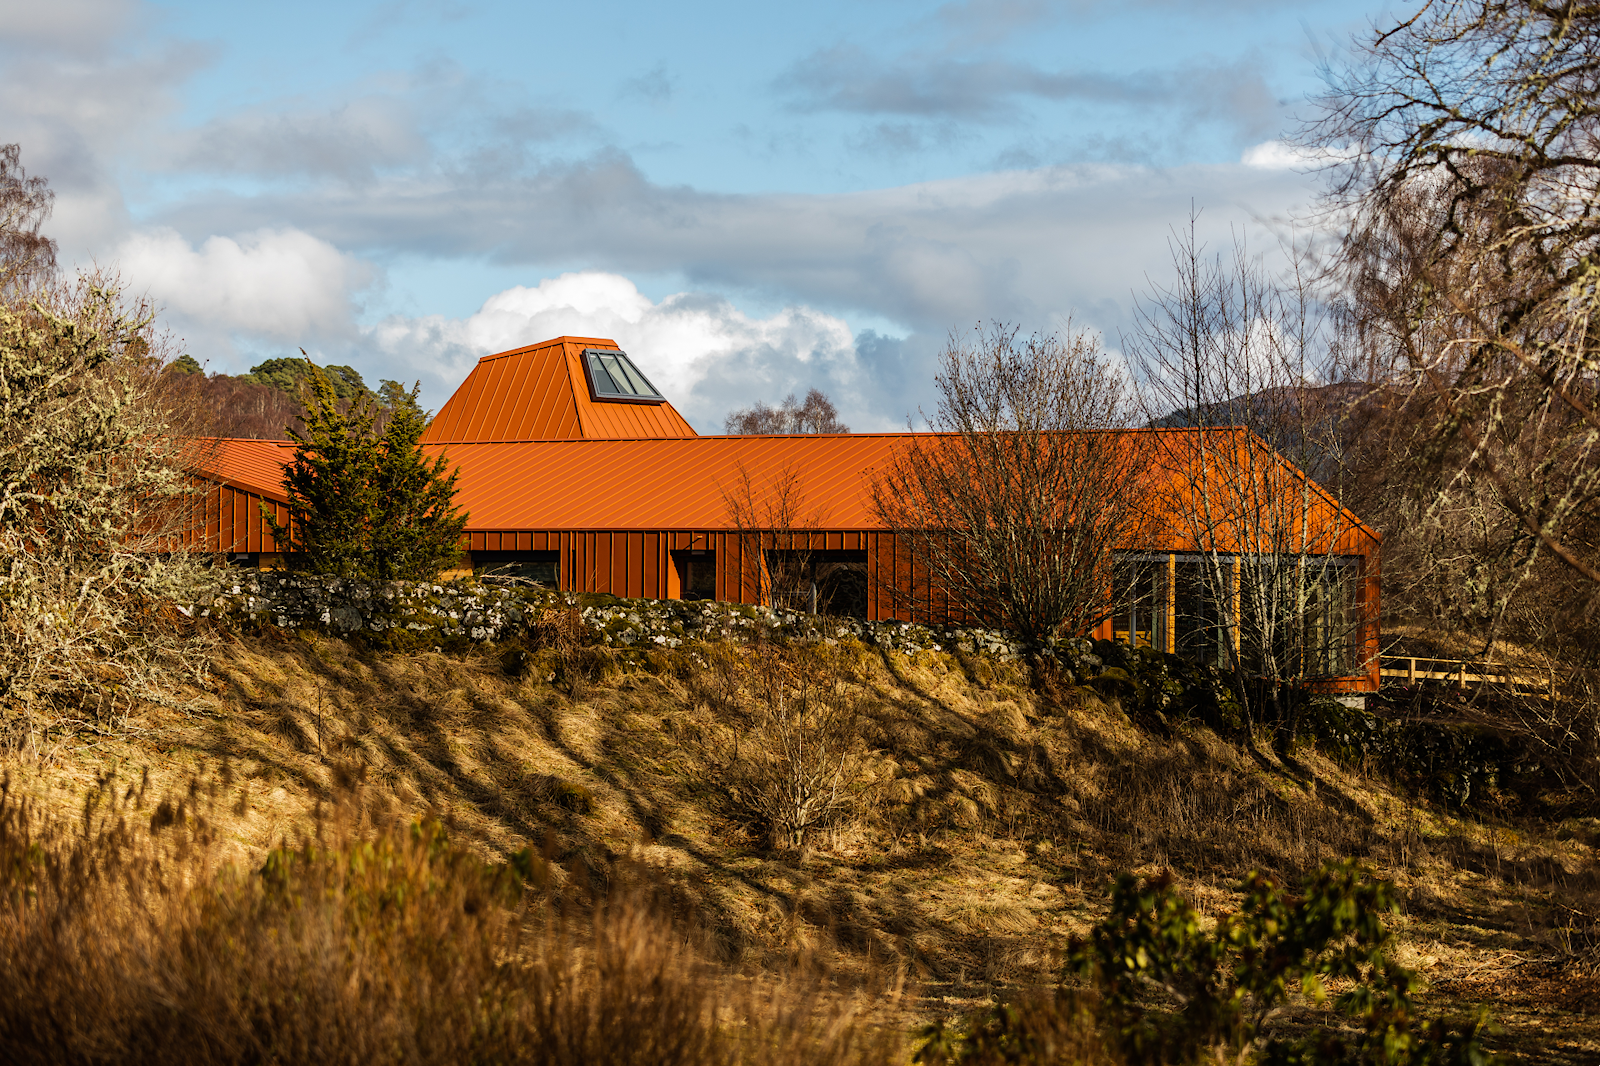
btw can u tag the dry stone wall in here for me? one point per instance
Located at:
(481, 611)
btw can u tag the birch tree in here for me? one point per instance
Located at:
(1233, 366)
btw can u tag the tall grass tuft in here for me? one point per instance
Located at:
(130, 939)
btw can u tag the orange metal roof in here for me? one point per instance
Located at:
(253, 465)
(540, 393)
(667, 483)
(661, 484)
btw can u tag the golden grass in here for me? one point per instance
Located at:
(995, 816)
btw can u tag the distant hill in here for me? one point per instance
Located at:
(1311, 426)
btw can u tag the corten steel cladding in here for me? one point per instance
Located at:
(623, 487)
(541, 393)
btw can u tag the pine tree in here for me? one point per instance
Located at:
(364, 505)
(417, 529)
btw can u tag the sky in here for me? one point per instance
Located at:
(753, 200)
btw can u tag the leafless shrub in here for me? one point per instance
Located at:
(777, 536)
(802, 765)
(1015, 508)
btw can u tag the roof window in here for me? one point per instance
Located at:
(614, 379)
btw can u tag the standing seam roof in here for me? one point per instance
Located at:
(540, 393)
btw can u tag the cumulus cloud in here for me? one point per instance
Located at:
(280, 284)
(704, 353)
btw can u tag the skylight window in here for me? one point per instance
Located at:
(613, 378)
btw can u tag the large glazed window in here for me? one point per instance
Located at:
(614, 379)
(1289, 616)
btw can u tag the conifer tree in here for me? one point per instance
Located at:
(416, 529)
(364, 505)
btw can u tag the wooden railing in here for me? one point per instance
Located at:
(1464, 672)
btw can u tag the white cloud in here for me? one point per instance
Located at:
(1281, 155)
(705, 354)
(282, 284)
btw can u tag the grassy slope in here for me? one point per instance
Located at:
(989, 824)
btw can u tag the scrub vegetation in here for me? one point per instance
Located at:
(757, 853)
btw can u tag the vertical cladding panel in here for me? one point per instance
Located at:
(874, 584)
(524, 542)
(589, 580)
(650, 581)
(225, 538)
(725, 566)
(632, 561)
(477, 542)
(231, 533)
(635, 554)
(620, 543)
(244, 522)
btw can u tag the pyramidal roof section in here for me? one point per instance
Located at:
(569, 388)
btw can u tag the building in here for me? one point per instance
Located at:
(576, 471)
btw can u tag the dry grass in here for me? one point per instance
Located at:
(996, 815)
(130, 940)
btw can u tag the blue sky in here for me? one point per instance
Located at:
(753, 200)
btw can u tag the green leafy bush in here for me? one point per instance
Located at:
(1171, 989)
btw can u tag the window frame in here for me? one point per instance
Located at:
(634, 398)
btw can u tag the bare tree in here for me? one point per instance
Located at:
(1470, 168)
(816, 415)
(1016, 506)
(1233, 365)
(803, 765)
(1466, 148)
(777, 537)
(27, 257)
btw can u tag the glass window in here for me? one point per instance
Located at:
(1200, 589)
(1294, 615)
(1139, 591)
(613, 377)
